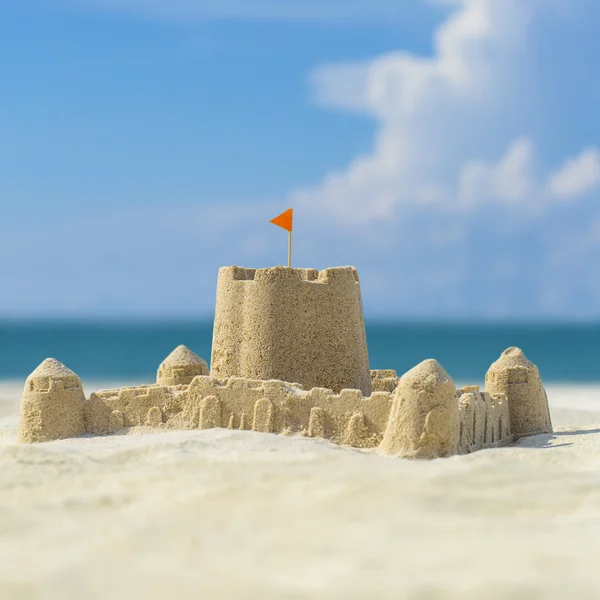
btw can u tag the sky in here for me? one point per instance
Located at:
(449, 149)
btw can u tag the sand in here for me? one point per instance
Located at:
(226, 514)
(298, 325)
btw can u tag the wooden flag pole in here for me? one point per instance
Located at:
(284, 220)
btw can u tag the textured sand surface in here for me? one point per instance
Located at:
(298, 325)
(236, 514)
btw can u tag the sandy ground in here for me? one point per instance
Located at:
(222, 514)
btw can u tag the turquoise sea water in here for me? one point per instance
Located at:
(564, 353)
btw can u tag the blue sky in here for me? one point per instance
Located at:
(448, 149)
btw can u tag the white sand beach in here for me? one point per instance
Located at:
(225, 514)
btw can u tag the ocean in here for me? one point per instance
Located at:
(132, 351)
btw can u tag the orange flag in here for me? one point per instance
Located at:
(284, 219)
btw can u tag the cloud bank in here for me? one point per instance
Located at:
(577, 176)
(474, 220)
(434, 114)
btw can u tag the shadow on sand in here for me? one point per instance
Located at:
(546, 440)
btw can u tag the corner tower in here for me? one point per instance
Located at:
(297, 325)
(180, 367)
(424, 419)
(53, 404)
(517, 377)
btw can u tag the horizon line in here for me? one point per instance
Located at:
(209, 319)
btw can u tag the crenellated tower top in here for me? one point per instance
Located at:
(299, 325)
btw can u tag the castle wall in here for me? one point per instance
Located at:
(237, 403)
(299, 325)
(349, 418)
(484, 421)
(146, 405)
(424, 417)
(384, 380)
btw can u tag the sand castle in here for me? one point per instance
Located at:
(289, 356)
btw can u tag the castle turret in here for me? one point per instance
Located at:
(296, 325)
(53, 404)
(180, 367)
(517, 377)
(424, 419)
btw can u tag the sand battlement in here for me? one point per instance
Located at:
(384, 380)
(239, 403)
(484, 421)
(327, 276)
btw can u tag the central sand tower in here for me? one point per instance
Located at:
(296, 325)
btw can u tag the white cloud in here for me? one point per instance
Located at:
(431, 113)
(577, 176)
(510, 181)
(435, 116)
(399, 85)
(454, 180)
